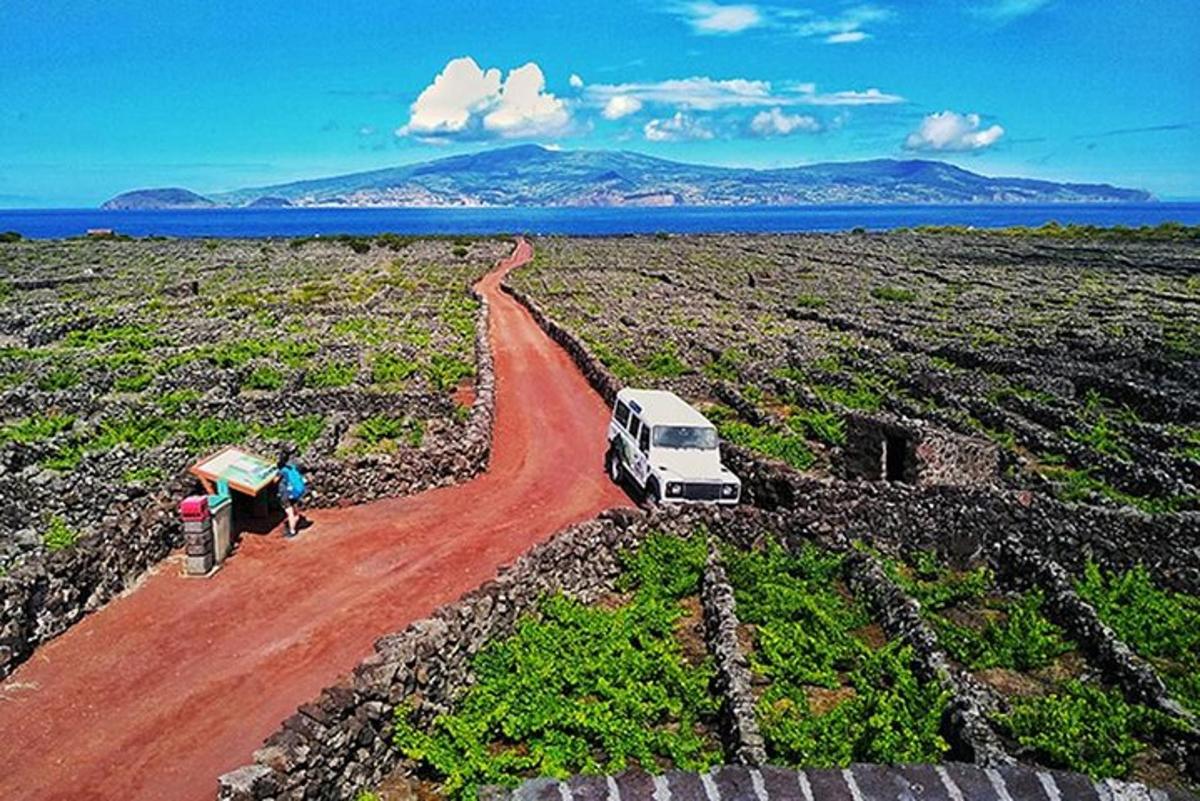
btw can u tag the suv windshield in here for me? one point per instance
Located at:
(704, 439)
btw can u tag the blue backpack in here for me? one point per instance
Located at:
(295, 482)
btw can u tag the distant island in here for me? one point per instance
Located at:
(530, 175)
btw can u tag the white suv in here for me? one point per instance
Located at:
(668, 449)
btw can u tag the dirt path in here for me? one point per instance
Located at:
(164, 689)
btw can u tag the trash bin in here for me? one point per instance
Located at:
(197, 535)
(220, 507)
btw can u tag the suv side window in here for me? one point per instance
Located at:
(622, 414)
(644, 439)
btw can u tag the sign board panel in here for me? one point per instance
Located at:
(246, 472)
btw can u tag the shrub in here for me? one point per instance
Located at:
(143, 475)
(57, 380)
(10, 236)
(459, 251)
(1160, 625)
(390, 368)
(334, 374)
(205, 433)
(805, 638)
(893, 294)
(445, 372)
(1083, 728)
(382, 434)
(133, 383)
(264, 377)
(1023, 640)
(58, 535)
(665, 362)
(810, 301)
(35, 429)
(864, 395)
(172, 402)
(827, 427)
(786, 447)
(300, 431)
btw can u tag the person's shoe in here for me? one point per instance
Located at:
(289, 534)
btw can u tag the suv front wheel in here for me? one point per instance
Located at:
(652, 494)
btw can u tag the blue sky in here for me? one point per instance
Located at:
(101, 97)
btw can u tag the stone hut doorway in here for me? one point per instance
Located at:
(895, 457)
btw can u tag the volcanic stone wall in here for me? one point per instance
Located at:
(48, 592)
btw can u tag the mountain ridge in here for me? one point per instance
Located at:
(531, 175)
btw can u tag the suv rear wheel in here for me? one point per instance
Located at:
(612, 463)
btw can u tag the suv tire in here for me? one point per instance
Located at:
(652, 495)
(612, 464)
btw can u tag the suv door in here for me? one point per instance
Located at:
(641, 451)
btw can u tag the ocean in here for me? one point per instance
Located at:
(58, 223)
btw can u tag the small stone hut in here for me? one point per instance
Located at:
(884, 447)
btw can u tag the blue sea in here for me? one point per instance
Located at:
(56, 223)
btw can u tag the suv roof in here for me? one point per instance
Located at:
(658, 407)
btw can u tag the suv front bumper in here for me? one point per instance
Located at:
(701, 492)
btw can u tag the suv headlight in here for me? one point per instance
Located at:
(729, 490)
(674, 488)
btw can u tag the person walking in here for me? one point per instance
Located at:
(291, 488)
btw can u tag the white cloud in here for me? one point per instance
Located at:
(714, 18)
(1007, 10)
(841, 28)
(465, 101)
(871, 97)
(776, 123)
(525, 107)
(848, 37)
(677, 128)
(708, 94)
(619, 106)
(949, 130)
(575, 81)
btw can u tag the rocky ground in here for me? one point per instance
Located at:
(123, 362)
(1078, 356)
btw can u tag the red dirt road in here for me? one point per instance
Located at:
(179, 681)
